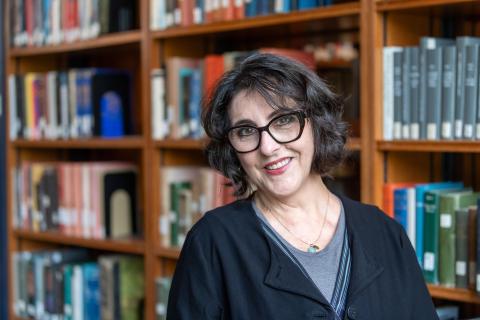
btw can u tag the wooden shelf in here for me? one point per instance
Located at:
(167, 253)
(134, 142)
(335, 11)
(132, 246)
(454, 294)
(354, 144)
(109, 40)
(414, 4)
(462, 146)
(334, 64)
(194, 144)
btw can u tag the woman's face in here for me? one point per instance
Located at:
(280, 170)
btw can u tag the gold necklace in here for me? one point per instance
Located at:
(312, 247)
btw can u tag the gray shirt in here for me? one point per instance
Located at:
(321, 266)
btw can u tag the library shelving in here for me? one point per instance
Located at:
(369, 25)
(411, 160)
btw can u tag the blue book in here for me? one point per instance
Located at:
(400, 206)
(263, 7)
(184, 98)
(307, 4)
(420, 190)
(194, 108)
(251, 8)
(91, 290)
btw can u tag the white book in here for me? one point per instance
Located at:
(411, 216)
(159, 126)
(77, 292)
(154, 14)
(73, 102)
(12, 105)
(52, 125)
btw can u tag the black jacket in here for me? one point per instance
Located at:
(229, 269)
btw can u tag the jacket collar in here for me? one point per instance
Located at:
(364, 269)
(283, 274)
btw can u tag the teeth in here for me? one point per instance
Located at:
(278, 164)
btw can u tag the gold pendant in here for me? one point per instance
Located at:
(313, 248)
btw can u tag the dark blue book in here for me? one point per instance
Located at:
(307, 4)
(91, 290)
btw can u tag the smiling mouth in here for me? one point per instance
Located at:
(278, 164)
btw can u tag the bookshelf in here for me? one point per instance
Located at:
(369, 24)
(393, 159)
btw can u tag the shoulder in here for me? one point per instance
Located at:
(371, 222)
(233, 218)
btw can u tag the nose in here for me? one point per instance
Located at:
(268, 145)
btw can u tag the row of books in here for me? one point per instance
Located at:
(172, 13)
(162, 289)
(186, 193)
(90, 199)
(441, 222)
(178, 90)
(72, 284)
(431, 91)
(78, 103)
(49, 22)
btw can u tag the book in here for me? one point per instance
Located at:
(449, 70)
(470, 91)
(420, 190)
(461, 43)
(389, 92)
(449, 203)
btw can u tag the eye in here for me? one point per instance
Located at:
(285, 121)
(244, 132)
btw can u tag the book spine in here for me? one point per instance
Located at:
(461, 248)
(397, 95)
(414, 94)
(406, 110)
(448, 91)
(431, 234)
(470, 90)
(433, 91)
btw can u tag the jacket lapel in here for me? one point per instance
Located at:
(364, 269)
(284, 275)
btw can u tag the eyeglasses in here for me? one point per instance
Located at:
(283, 129)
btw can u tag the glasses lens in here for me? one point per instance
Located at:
(244, 139)
(285, 128)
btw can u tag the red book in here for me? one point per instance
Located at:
(388, 190)
(306, 58)
(214, 69)
(186, 9)
(228, 10)
(29, 20)
(239, 8)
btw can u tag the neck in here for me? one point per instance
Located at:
(307, 203)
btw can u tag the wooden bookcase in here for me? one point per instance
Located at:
(372, 25)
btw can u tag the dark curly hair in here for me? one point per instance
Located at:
(280, 81)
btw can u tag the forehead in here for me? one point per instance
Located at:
(248, 105)
(251, 105)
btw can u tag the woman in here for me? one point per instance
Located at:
(291, 249)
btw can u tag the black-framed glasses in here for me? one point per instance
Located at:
(283, 129)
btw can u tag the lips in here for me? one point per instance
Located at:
(278, 164)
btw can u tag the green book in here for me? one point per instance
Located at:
(431, 234)
(449, 203)
(67, 292)
(132, 288)
(461, 248)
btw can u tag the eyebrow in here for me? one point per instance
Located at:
(249, 122)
